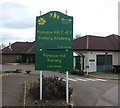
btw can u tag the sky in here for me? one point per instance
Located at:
(91, 17)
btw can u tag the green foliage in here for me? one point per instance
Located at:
(78, 73)
(28, 71)
(9, 71)
(16, 71)
(53, 88)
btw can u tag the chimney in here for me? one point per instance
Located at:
(10, 46)
(87, 42)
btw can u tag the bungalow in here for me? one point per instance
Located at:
(97, 53)
(93, 53)
(22, 52)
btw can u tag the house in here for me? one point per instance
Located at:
(93, 53)
(22, 52)
(97, 53)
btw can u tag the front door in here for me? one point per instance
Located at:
(78, 65)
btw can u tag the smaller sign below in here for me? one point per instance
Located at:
(54, 60)
(92, 60)
(87, 66)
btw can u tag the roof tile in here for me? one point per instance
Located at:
(111, 42)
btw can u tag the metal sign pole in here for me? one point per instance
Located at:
(67, 93)
(40, 76)
(87, 71)
(40, 85)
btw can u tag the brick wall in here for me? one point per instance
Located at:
(8, 58)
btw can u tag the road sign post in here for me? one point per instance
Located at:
(87, 69)
(67, 88)
(54, 35)
(40, 85)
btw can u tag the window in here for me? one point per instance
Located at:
(19, 58)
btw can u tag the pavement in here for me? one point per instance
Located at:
(105, 75)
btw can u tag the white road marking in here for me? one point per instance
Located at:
(101, 79)
(89, 79)
(84, 79)
(70, 79)
(80, 79)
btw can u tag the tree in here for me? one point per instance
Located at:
(77, 36)
(2, 46)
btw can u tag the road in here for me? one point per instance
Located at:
(95, 93)
(86, 91)
(91, 91)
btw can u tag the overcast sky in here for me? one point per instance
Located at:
(91, 17)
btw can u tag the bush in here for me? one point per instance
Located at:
(77, 72)
(53, 88)
(28, 71)
(9, 71)
(18, 71)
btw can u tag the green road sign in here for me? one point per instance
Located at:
(87, 66)
(54, 60)
(54, 30)
(92, 60)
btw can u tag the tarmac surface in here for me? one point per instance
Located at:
(31, 67)
(12, 86)
(13, 89)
